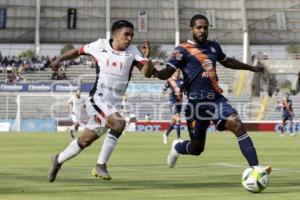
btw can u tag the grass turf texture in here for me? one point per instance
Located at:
(139, 170)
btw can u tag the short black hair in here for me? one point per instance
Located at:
(121, 24)
(196, 17)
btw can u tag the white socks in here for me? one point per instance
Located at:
(108, 146)
(71, 151)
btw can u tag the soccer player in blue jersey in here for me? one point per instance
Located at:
(174, 84)
(287, 114)
(197, 60)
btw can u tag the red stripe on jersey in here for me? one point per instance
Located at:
(81, 50)
(142, 62)
(210, 71)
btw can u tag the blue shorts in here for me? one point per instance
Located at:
(286, 116)
(175, 106)
(199, 114)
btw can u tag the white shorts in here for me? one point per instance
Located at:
(76, 118)
(98, 111)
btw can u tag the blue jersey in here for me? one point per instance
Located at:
(287, 110)
(198, 66)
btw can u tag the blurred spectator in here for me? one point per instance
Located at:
(21, 71)
(2, 67)
(55, 75)
(21, 66)
(62, 73)
(11, 76)
(148, 117)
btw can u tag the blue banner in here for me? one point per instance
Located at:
(3, 17)
(44, 87)
(31, 125)
(70, 87)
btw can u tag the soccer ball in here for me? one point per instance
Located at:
(255, 179)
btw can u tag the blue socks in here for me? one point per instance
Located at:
(246, 146)
(177, 127)
(183, 147)
(171, 127)
(248, 149)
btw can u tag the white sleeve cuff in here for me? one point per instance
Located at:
(171, 65)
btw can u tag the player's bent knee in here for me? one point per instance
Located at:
(84, 143)
(121, 126)
(118, 127)
(234, 124)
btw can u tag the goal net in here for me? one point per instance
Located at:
(42, 106)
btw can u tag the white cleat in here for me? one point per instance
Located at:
(165, 139)
(173, 155)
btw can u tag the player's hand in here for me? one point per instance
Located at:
(258, 69)
(55, 64)
(146, 49)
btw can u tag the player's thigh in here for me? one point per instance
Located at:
(226, 116)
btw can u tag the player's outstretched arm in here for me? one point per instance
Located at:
(235, 64)
(148, 66)
(164, 73)
(71, 54)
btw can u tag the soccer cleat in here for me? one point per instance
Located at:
(54, 169)
(268, 169)
(165, 139)
(100, 171)
(72, 134)
(292, 134)
(173, 155)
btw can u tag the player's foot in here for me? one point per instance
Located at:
(293, 134)
(54, 168)
(173, 155)
(72, 133)
(282, 135)
(165, 139)
(268, 169)
(100, 171)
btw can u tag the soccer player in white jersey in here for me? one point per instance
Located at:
(115, 59)
(76, 107)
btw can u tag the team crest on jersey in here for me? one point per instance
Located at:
(213, 49)
(176, 54)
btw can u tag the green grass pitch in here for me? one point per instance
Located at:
(139, 171)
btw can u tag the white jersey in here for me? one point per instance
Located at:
(114, 70)
(77, 104)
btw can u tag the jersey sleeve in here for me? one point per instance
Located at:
(221, 56)
(176, 58)
(91, 48)
(138, 60)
